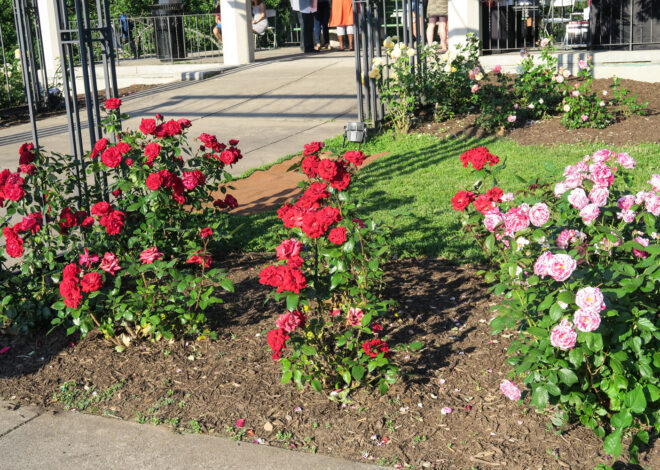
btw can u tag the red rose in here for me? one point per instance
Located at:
(150, 255)
(151, 151)
(484, 204)
(270, 276)
(71, 271)
(26, 154)
(206, 232)
(293, 280)
(113, 222)
(495, 194)
(231, 201)
(70, 290)
(219, 203)
(312, 225)
(112, 103)
(201, 260)
(14, 244)
(355, 157)
(80, 216)
(376, 327)
(310, 166)
(14, 192)
(148, 126)
(337, 235)
(184, 123)
(171, 128)
(129, 162)
(154, 181)
(277, 341)
(374, 347)
(192, 179)
(312, 148)
(210, 141)
(288, 249)
(123, 147)
(91, 282)
(233, 142)
(327, 169)
(478, 156)
(228, 157)
(28, 169)
(67, 220)
(101, 208)
(462, 199)
(111, 157)
(88, 222)
(116, 192)
(159, 116)
(4, 176)
(342, 180)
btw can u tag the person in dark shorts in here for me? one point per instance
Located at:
(437, 12)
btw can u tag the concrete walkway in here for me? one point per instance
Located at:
(34, 440)
(273, 107)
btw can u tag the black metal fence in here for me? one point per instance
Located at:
(510, 25)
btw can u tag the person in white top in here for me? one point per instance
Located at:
(259, 20)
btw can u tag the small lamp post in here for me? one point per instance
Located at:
(355, 132)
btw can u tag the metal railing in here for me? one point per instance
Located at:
(511, 25)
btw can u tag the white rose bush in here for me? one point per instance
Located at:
(576, 265)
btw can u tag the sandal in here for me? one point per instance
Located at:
(328, 47)
(317, 47)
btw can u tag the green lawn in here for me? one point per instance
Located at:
(411, 188)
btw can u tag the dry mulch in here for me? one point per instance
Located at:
(215, 383)
(635, 129)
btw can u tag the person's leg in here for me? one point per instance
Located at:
(430, 29)
(325, 18)
(340, 37)
(443, 32)
(349, 32)
(217, 32)
(317, 29)
(308, 32)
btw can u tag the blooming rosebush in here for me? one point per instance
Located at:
(329, 271)
(577, 264)
(131, 255)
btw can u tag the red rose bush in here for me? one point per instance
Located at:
(577, 264)
(131, 254)
(329, 272)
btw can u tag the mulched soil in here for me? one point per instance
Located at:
(215, 383)
(20, 114)
(635, 129)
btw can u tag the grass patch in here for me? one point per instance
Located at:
(411, 188)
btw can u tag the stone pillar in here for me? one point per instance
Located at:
(49, 36)
(237, 35)
(464, 18)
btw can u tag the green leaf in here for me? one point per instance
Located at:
(635, 400)
(316, 385)
(594, 341)
(540, 397)
(567, 376)
(292, 302)
(286, 377)
(227, 285)
(336, 280)
(346, 375)
(308, 350)
(417, 345)
(654, 392)
(622, 419)
(575, 356)
(612, 443)
(358, 372)
(645, 324)
(566, 297)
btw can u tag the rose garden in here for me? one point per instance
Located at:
(424, 301)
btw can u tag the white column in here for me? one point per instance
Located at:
(237, 35)
(49, 37)
(464, 18)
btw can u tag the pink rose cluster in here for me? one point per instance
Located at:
(559, 267)
(510, 390)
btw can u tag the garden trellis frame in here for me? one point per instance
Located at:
(77, 40)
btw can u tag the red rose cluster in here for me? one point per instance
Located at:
(284, 277)
(27, 154)
(484, 203)
(112, 156)
(277, 341)
(374, 347)
(289, 251)
(229, 202)
(14, 244)
(72, 286)
(69, 219)
(165, 129)
(11, 186)
(166, 179)
(202, 258)
(111, 219)
(219, 151)
(479, 156)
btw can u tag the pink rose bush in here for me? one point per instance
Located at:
(575, 261)
(113, 258)
(328, 274)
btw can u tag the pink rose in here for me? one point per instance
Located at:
(578, 198)
(561, 267)
(653, 205)
(626, 202)
(335, 312)
(110, 264)
(584, 118)
(601, 174)
(569, 236)
(655, 182)
(586, 321)
(497, 69)
(582, 64)
(150, 255)
(573, 180)
(516, 219)
(599, 196)
(475, 88)
(560, 188)
(644, 242)
(589, 213)
(289, 321)
(563, 336)
(641, 196)
(507, 197)
(542, 264)
(511, 118)
(354, 317)
(510, 390)
(590, 299)
(626, 161)
(539, 214)
(492, 220)
(601, 156)
(627, 215)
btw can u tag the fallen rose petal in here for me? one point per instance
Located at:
(446, 410)
(240, 423)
